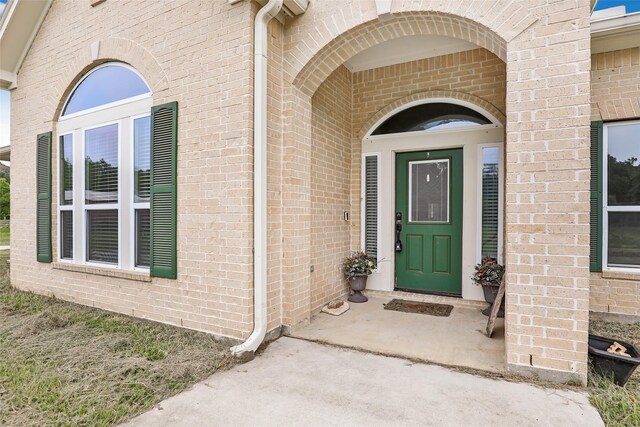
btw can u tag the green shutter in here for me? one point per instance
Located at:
(595, 255)
(164, 138)
(43, 184)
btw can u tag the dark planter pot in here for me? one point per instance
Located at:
(610, 365)
(490, 293)
(358, 284)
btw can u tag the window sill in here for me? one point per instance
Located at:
(623, 275)
(121, 274)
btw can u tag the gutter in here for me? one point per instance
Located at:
(264, 15)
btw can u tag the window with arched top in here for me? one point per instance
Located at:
(434, 115)
(105, 85)
(104, 170)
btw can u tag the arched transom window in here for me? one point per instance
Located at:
(433, 115)
(104, 170)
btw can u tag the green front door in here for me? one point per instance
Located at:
(429, 221)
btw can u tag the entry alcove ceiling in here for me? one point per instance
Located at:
(405, 49)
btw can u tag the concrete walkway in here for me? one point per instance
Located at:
(300, 383)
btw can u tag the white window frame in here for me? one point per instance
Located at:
(62, 207)
(410, 173)
(479, 165)
(123, 113)
(102, 206)
(363, 189)
(135, 205)
(605, 197)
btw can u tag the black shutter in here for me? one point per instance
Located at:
(595, 242)
(164, 138)
(371, 205)
(43, 184)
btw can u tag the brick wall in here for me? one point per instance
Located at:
(477, 72)
(615, 95)
(615, 85)
(330, 185)
(199, 54)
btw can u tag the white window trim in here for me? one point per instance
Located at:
(135, 205)
(104, 206)
(410, 173)
(605, 207)
(480, 163)
(363, 190)
(58, 192)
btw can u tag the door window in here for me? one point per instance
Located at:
(429, 191)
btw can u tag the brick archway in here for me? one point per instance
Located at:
(111, 49)
(309, 67)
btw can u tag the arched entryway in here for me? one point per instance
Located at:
(321, 86)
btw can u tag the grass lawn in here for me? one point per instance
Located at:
(4, 237)
(619, 406)
(65, 364)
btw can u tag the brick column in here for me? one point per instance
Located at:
(296, 217)
(547, 194)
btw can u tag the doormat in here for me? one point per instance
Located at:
(433, 309)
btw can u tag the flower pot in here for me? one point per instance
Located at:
(358, 284)
(612, 365)
(490, 293)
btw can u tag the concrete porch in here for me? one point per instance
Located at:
(457, 340)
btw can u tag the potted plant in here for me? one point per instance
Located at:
(488, 274)
(357, 267)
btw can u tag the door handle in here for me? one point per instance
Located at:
(398, 244)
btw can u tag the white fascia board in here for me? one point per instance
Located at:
(8, 79)
(615, 24)
(34, 33)
(6, 16)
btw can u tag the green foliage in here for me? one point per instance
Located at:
(359, 264)
(488, 272)
(5, 198)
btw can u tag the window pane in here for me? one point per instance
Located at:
(624, 239)
(623, 165)
(101, 163)
(102, 236)
(66, 234)
(142, 237)
(103, 86)
(429, 116)
(429, 191)
(66, 169)
(490, 202)
(142, 159)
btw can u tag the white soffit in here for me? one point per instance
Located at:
(405, 49)
(19, 25)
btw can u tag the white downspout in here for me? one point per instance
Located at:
(265, 14)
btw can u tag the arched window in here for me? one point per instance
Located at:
(105, 85)
(435, 115)
(104, 170)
